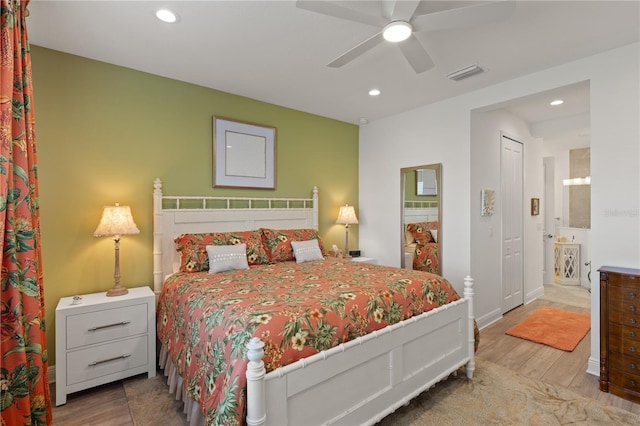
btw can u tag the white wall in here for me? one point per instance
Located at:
(441, 132)
(486, 130)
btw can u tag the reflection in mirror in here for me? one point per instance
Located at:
(577, 189)
(426, 182)
(421, 217)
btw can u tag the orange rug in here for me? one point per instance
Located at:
(553, 327)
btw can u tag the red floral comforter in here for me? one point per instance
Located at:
(425, 257)
(206, 320)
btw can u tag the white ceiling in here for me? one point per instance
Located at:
(275, 52)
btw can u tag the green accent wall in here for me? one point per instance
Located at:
(105, 132)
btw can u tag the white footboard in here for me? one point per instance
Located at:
(364, 380)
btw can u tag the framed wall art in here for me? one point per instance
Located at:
(244, 154)
(487, 198)
(535, 206)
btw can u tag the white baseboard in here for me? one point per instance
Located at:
(593, 366)
(488, 319)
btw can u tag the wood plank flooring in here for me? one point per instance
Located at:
(554, 366)
(107, 405)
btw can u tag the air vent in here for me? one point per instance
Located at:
(465, 72)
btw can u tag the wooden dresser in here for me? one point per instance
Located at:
(620, 332)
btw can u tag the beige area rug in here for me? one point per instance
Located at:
(495, 396)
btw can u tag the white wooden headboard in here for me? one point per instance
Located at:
(420, 211)
(177, 215)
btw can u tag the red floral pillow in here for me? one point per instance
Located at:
(278, 242)
(193, 252)
(256, 252)
(420, 232)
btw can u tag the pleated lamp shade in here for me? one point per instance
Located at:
(116, 220)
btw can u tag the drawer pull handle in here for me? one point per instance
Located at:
(632, 349)
(633, 366)
(100, 327)
(632, 320)
(632, 334)
(632, 383)
(123, 356)
(632, 308)
(632, 295)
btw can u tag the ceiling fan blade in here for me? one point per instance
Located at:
(353, 53)
(461, 17)
(418, 58)
(338, 11)
(401, 10)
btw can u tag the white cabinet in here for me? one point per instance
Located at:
(103, 339)
(567, 263)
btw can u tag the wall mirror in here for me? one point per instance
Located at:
(421, 189)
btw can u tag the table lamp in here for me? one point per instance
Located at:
(116, 221)
(346, 217)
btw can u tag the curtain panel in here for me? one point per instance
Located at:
(24, 383)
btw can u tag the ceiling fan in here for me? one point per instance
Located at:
(398, 23)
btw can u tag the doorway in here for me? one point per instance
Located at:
(548, 210)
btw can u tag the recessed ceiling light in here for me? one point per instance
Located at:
(397, 31)
(374, 92)
(556, 102)
(363, 120)
(167, 16)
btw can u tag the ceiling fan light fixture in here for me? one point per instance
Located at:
(165, 15)
(397, 31)
(465, 72)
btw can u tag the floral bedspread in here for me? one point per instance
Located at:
(425, 257)
(206, 320)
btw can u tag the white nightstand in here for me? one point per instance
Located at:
(104, 339)
(363, 259)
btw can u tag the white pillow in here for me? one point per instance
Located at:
(227, 258)
(306, 251)
(434, 234)
(408, 237)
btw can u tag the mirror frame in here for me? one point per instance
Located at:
(403, 188)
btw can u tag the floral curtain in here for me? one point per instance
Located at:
(24, 384)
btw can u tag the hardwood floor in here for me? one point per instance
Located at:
(107, 405)
(567, 369)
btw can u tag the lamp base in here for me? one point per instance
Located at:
(117, 290)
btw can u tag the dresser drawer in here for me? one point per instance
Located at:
(623, 363)
(622, 331)
(624, 280)
(109, 324)
(624, 346)
(625, 380)
(620, 292)
(101, 360)
(624, 318)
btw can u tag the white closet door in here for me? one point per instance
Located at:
(512, 210)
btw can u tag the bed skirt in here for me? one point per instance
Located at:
(174, 381)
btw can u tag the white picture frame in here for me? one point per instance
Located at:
(244, 154)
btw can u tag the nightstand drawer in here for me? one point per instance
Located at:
(102, 360)
(101, 326)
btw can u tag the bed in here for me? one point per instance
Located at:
(285, 373)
